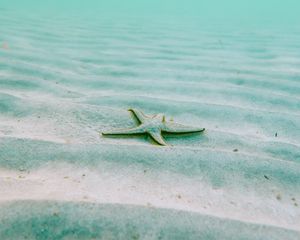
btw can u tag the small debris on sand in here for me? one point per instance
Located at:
(179, 196)
(278, 196)
(56, 214)
(149, 204)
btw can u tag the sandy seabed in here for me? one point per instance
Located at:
(62, 82)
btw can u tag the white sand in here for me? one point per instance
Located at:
(63, 82)
(136, 187)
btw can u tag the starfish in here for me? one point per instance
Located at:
(154, 125)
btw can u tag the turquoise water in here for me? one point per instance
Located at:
(275, 11)
(70, 70)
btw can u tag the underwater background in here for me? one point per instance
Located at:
(70, 70)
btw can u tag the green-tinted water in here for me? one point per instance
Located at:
(70, 69)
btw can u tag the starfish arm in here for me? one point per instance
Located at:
(156, 135)
(171, 127)
(138, 114)
(136, 130)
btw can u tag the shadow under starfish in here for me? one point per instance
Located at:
(154, 125)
